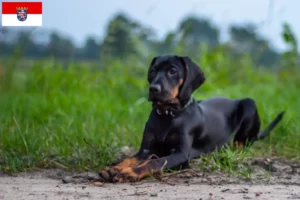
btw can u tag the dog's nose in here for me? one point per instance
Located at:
(155, 88)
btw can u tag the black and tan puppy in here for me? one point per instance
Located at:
(180, 128)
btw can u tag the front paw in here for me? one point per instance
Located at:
(127, 175)
(107, 175)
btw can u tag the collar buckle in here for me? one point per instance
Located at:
(167, 112)
(170, 112)
(158, 112)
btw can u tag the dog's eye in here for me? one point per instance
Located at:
(172, 71)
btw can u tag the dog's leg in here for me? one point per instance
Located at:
(149, 167)
(247, 119)
(180, 157)
(137, 173)
(109, 173)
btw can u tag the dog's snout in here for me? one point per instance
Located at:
(155, 88)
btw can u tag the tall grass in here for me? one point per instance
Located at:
(79, 118)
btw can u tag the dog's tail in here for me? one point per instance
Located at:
(264, 133)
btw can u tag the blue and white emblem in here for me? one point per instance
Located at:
(22, 14)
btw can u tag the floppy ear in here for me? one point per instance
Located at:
(151, 64)
(194, 78)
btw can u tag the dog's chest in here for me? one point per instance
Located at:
(172, 138)
(164, 129)
(165, 147)
(165, 132)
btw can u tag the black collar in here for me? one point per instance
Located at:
(172, 111)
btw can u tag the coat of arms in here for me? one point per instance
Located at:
(22, 13)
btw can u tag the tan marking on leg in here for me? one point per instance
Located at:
(109, 174)
(131, 175)
(238, 145)
(128, 162)
(128, 174)
(137, 173)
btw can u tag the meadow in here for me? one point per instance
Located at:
(79, 115)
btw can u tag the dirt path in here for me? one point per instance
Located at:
(27, 188)
(283, 183)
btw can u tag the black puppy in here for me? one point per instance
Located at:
(180, 128)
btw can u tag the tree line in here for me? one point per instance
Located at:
(125, 37)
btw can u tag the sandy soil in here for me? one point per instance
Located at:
(283, 182)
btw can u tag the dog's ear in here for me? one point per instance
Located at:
(150, 67)
(193, 78)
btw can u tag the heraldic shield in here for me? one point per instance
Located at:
(22, 14)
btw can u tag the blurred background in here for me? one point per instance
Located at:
(75, 90)
(119, 29)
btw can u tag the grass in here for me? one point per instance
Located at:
(79, 117)
(236, 162)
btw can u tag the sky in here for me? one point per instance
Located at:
(79, 18)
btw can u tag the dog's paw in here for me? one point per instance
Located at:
(127, 175)
(108, 174)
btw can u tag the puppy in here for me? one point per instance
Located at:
(181, 128)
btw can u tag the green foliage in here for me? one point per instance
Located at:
(291, 57)
(91, 49)
(195, 31)
(246, 40)
(125, 36)
(119, 41)
(60, 47)
(234, 162)
(51, 110)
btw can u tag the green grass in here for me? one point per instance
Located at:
(80, 117)
(234, 162)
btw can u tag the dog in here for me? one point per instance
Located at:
(181, 128)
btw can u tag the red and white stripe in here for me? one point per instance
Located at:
(34, 14)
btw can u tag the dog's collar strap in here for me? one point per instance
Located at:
(173, 112)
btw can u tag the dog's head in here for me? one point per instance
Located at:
(173, 79)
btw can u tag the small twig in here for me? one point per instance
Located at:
(159, 177)
(151, 156)
(59, 164)
(95, 149)
(162, 168)
(181, 172)
(77, 176)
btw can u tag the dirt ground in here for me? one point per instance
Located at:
(280, 181)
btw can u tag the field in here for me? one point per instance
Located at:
(79, 115)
